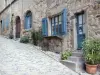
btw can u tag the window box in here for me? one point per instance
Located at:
(50, 37)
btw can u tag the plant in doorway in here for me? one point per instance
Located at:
(91, 52)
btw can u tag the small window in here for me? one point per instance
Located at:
(56, 25)
(28, 20)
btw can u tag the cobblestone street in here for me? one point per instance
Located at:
(23, 59)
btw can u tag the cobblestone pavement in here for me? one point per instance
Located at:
(24, 59)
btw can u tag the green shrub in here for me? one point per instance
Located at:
(24, 39)
(36, 37)
(11, 36)
(65, 55)
(91, 50)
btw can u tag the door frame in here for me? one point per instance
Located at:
(18, 26)
(75, 28)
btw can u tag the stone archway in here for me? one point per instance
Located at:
(18, 26)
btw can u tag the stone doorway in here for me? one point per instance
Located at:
(18, 25)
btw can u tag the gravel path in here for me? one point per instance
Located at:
(24, 59)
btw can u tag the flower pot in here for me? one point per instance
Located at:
(91, 69)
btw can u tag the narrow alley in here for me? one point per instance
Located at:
(23, 59)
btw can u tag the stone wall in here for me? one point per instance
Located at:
(94, 21)
(53, 44)
(48, 8)
(19, 8)
(4, 3)
(73, 7)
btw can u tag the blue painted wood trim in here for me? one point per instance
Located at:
(44, 27)
(64, 21)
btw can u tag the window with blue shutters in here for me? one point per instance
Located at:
(59, 23)
(28, 20)
(64, 21)
(44, 27)
(56, 24)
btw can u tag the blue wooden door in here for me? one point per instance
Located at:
(80, 33)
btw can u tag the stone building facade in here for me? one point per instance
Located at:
(17, 9)
(80, 20)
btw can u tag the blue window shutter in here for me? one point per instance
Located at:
(54, 27)
(7, 21)
(28, 22)
(31, 21)
(27, 25)
(3, 24)
(44, 27)
(64, 21)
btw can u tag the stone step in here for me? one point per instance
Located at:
(75, 66)
(75, 59)
(75, 62)
(77, 54)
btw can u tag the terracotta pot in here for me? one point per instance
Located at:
(91, 69)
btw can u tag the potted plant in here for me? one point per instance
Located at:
(91, 50)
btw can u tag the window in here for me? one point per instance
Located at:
(44, 27)
(56, 25)
(28, 20)
(80, 23)
(7, 21)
